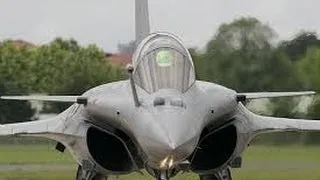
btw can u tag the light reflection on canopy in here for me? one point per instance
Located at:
(164, 58)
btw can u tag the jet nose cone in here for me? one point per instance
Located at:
(167, 153)
(168, 142)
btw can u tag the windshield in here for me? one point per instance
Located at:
(162, 62)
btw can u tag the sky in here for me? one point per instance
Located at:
(110, 22)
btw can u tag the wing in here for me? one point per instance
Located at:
(42, 128)
(70, 99)
(258, 95)
(52, 125)
(257, 124)
(55, 129)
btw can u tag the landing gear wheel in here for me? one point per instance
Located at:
(99, 177)
(208, 177)
(222, 175)
(86, 175)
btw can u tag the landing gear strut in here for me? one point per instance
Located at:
(88, 175)
(224, 174)
(163, 175)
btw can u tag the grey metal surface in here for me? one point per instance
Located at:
(260, 95)
(141, 19)
(72, 99)
(163, 63)
(173, 110)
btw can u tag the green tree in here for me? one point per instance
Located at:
(13, 65)
(63, 67)
(297, 47)
(309, 74)
(308, 69)
(60, 67)
(242, 56)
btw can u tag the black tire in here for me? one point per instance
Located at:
(226, 174)
(79, 173)
(99, 177)
(208, 177)
(223, 175)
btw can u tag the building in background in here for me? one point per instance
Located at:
(23, 43)
(121, 59)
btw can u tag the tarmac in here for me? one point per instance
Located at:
(248, 165)
(35, 167)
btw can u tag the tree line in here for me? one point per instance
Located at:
(245, 55)
(61, 67)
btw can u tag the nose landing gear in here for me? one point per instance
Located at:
(88, 175)
(163, 175)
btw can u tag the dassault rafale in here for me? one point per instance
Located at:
(162, 119)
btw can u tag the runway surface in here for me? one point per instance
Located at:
(248, 165)
(35, 167)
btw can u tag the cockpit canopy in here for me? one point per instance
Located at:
(162, 62)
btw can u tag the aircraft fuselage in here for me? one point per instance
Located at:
(167, 126)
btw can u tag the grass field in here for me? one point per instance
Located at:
(260, 163)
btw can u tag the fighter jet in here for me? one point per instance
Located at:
(161, 119)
